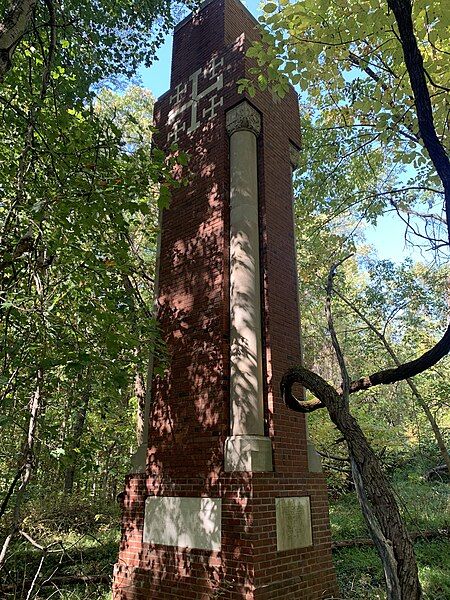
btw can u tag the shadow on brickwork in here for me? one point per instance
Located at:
(186, 573)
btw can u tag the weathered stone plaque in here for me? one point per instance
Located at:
(293, 523)
(183, 522)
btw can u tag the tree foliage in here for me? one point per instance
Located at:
(80, 190)
(348, 61)
(97, 40)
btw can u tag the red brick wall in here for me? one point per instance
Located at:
(190, 416)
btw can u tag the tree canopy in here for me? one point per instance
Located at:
(348, 61)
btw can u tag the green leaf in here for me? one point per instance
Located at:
(270, 7)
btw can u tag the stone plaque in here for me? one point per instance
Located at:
(183, 522)
(293, 523)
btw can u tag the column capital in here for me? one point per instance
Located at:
(243, 117)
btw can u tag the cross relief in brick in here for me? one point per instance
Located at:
(187, 96)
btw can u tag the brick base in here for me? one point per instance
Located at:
(249, 567)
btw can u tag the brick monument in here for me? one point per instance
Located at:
(227, 499)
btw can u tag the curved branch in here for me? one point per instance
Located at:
(409, 369)
(323, 391)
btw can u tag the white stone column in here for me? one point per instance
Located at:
(247, 449)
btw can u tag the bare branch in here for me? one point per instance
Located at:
(332, 330)
(333, 457)
(434, 84)
(51, 51)
(10, 492)
(414, 389)
(419, 214)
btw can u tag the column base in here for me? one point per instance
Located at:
(139, 460)
(314, 460)
(249, 522)
(248, 453)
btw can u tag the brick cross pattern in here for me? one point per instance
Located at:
(212, 72)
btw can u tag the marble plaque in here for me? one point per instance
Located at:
(183, 522)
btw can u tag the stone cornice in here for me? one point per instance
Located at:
(204, 5)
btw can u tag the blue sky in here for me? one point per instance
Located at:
(387, 237)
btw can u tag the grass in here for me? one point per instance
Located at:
(360, 574)
(77, 592)
(425, 507)
(89, 534)
(85, 555)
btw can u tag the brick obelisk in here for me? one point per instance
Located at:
(228, 499)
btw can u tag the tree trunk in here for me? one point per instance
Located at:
(380, 510)
(77, 434)
(28, 465)
(12, 29)
(402, 10)
(374, 491)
